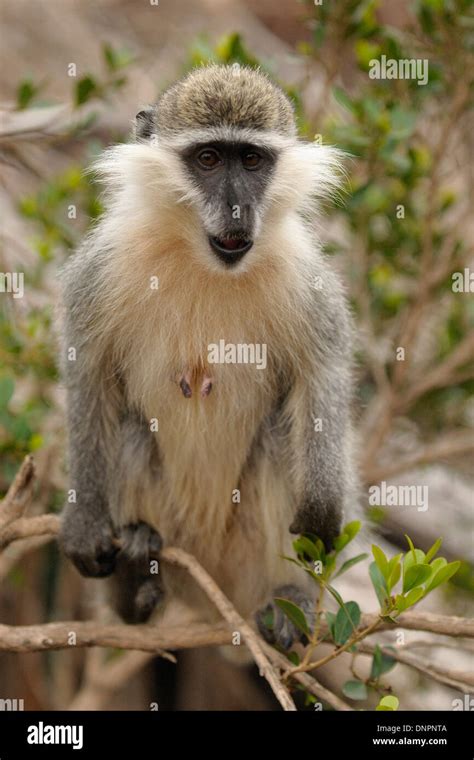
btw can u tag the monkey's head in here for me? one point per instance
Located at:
(223, 142)
(228, 124)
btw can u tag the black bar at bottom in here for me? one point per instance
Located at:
(138, 734)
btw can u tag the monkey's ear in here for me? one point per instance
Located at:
(144, 123)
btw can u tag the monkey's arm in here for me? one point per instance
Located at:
(93, 408)
(321, 432)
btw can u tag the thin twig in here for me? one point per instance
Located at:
(354, 639)
(26, 527)
(449, 445)
(229, 613)
(101, 684)
(456, 679)
(19, 494)
(309, 682)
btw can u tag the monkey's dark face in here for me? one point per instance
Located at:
(232, 178)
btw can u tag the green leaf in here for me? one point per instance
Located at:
(348, 533)
(434, 550)
(443, 575)
(378, 583)
(340, 542)
(381, 663)
(85, 89)
(317, 577)
(304, 545)
(343, 99)
(116, 59)
(355, 690)
(329, 564)
(410, 543)
(402, 123)
(414, 596)
(394, 576)
(415, 576)
(119, 82)
(352, 529)
(335, 594)
(403, 602)
(267, 618)
(109, 56)
(394, 561)
(350, 563)
(413, 558)
(437, 564)
(331, 620)
(25, 93)
(295, 614)
(7, 388)
(400, 603)
(292, 559)
(366, 52)
(388, 703)
(381, 560)
(425, 16)
(347, 620)
(293, 658)
(434, 566)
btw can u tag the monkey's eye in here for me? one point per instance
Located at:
(251, 160)
(209, 159)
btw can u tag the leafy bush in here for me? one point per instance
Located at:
(415, 573)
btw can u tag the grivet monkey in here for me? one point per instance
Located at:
(206, 240)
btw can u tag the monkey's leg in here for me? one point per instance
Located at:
(136, 585)
(276, 627)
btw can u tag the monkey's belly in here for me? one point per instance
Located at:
(235, 524)
(247, 561)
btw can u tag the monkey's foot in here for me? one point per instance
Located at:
(275, 627)
(88, 540)
(138, 584)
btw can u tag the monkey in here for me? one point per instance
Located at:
(208, 235)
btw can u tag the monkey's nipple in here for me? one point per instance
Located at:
(185, 386)
(189, 378)
(206, 386)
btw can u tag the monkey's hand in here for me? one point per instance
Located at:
(320, 518)
(88, 540)
(138, 588)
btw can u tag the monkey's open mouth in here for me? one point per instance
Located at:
(230, 250)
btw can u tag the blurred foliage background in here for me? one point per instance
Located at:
(400, 230)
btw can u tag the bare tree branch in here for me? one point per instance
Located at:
(448, 445)
(19, 493)
(107, 679)
(27, 527)
(153, 640)
(308, 681)
(448, 625)
(209, 586)
(453, 678)
(442, 375)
